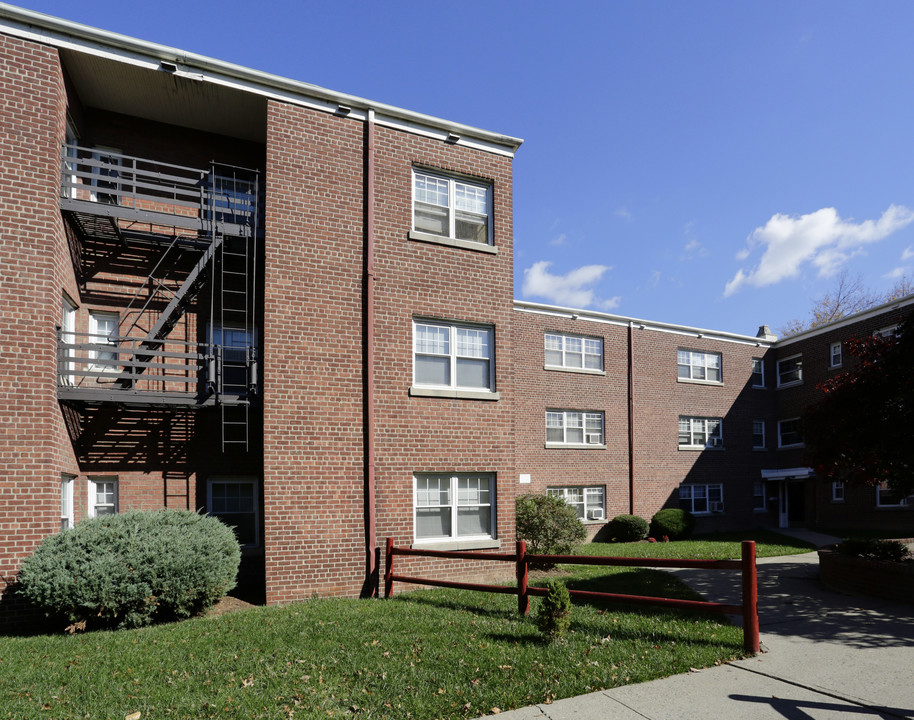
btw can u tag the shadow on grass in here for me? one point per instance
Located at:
(432, 598)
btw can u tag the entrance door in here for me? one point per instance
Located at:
(783, 505)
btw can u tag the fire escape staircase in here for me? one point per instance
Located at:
(209, 214)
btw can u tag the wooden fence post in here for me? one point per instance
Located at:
(389, 568)
(750, 598)
(523, 597)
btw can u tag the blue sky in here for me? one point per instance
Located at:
(713, 164)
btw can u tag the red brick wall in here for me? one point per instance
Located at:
(418, 279)
(658, 401)
(660, 398)
(32, 440)
(313, 453)
(539, 389)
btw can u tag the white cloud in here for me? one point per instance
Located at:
(821, 239)
(573, 289)
(624, 214)
(908, 254)
(898, 272)
(560, 240)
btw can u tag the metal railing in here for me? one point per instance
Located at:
(98, 367)
(144, 190)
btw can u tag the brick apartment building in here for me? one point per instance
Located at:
(621, 415)
(293, 308)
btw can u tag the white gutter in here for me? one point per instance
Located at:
(606, 318)
(64, 33)
(849, 320)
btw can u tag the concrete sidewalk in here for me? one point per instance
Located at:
(827, 656)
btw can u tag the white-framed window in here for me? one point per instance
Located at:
(789, 433)
(700, 432)
(68, 337)
(701, 499)
(837, 491)
(103, 330)
(758, 434)
(454, 506)
(589, 502)
(889, 498)
(790, 371)
(236, 502)
(758, 497)
(694, 365)
(66, 501)
(574, 427)
(758, 373)
(572, 352)
(834, 355)
(452, 207)
(454, 356)
(102, 496)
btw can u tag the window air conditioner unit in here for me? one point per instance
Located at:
(717, 506)
(716, 442)
(594, 439)
(596, 514)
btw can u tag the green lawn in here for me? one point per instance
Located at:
(425, 654)
(716, 546)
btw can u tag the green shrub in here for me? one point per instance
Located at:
(554, 614)
(625, 528)
(673, 523)
(873, 549)
(131, 569)
(548, 524)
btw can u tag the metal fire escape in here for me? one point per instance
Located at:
(195, 230)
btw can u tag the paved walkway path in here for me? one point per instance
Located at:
(828, 657)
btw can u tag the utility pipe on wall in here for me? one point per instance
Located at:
(370, 588)
(631, 420)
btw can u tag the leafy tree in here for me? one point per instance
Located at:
(862, 429)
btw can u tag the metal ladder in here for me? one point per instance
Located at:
(234, 296)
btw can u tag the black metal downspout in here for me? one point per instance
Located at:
(372, 551)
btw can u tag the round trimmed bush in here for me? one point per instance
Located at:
(625, 528)
(676, 524)
(133, 569)
(548, 524)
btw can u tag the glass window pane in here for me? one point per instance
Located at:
(433, 522)
(554, 357)
(433, 370)
(474, 521)
(473, 373)
(472, 343)
(433, 339)
(431, 190)
(474, 228)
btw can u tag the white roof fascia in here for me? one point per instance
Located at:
(65, 34)
(797, 473)
(605, 318)
(849, 320)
